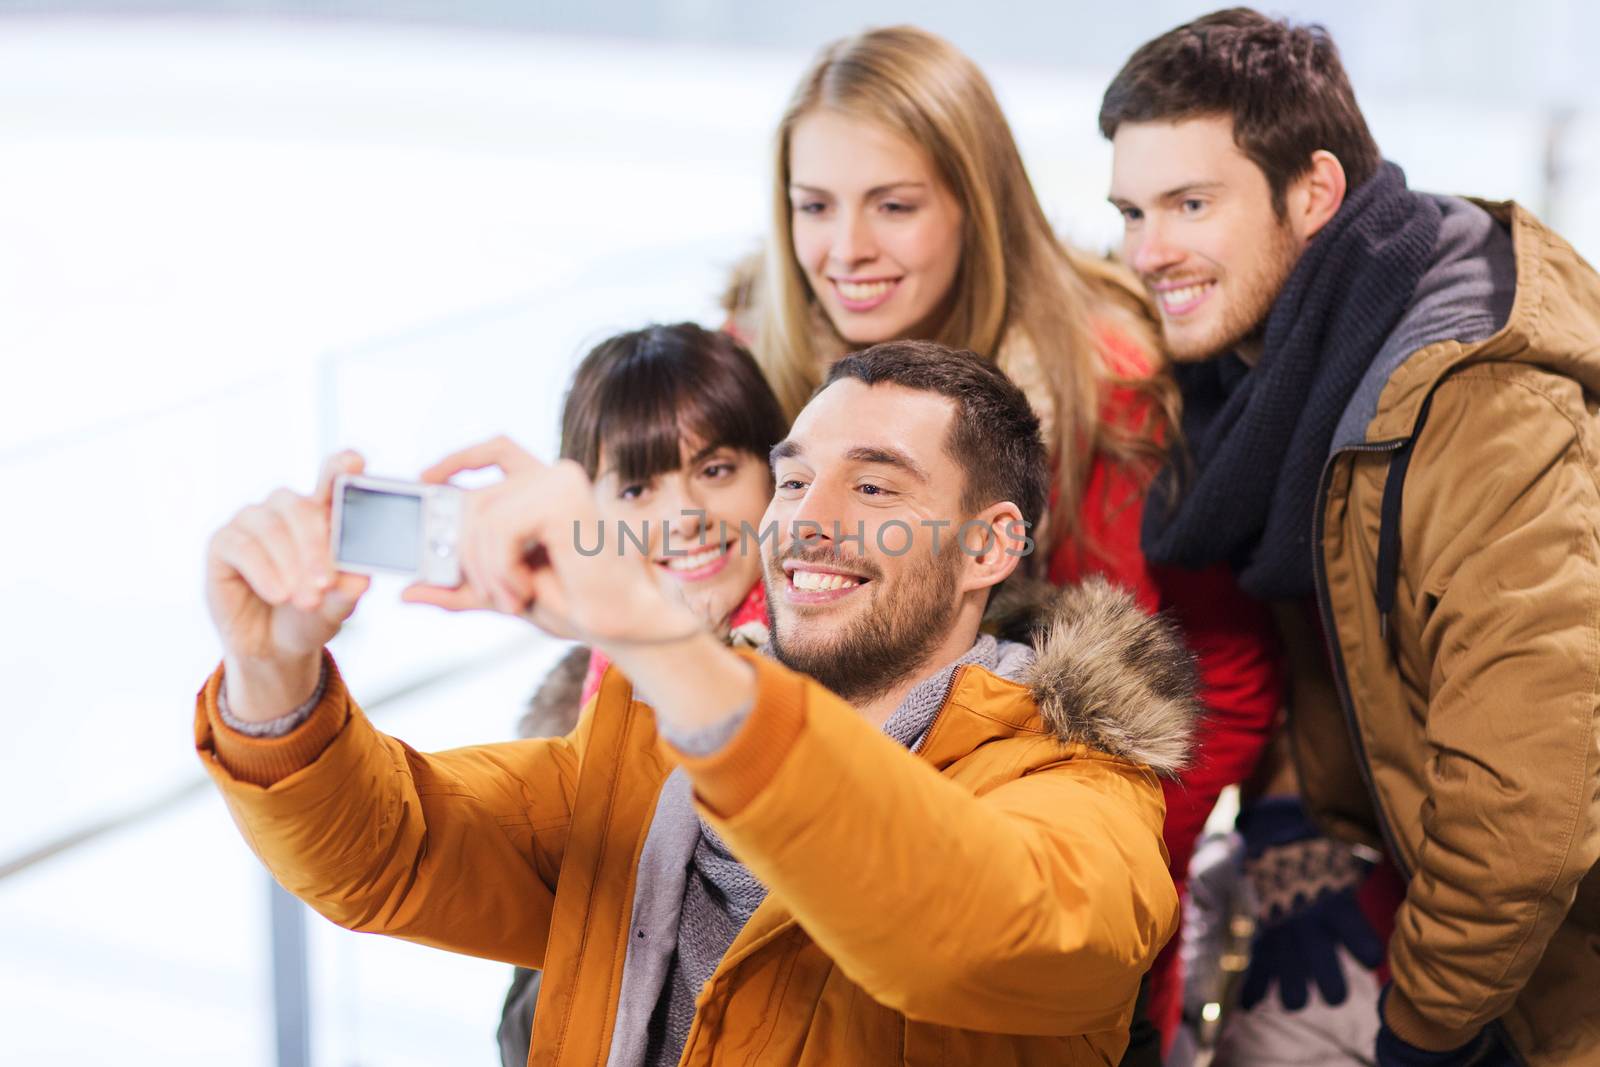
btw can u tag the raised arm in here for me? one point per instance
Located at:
(458, 850)
(372, 834)
(1034, 906)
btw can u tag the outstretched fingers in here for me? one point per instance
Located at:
(501, 452)
(462, 598)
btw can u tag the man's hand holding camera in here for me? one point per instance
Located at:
(276, 597)
(519, 555)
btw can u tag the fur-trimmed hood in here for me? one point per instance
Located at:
(1108, 675)
(553, 709)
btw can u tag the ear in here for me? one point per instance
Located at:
(1315, 196)
(994, 541)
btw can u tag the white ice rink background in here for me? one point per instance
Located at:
(228, 246)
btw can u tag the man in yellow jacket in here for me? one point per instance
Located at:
(942, 846)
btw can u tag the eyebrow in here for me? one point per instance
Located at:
(1175, 193)
(785, 449)
(876, 190)
(886, 457)
(889, 457)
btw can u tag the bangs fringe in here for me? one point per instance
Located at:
(653, 411)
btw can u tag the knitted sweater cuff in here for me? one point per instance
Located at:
(265, 760)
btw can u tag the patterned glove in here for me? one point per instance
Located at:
(1305, 888)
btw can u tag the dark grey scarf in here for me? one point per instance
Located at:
(1260, 437)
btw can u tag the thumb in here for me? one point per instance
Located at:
(341, 598)
(346, 462)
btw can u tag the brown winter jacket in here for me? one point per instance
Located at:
(1462, 613)
(993, 898)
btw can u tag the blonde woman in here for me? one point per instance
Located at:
(901, 209)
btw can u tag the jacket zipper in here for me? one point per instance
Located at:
(944, 703)
(1330, 638)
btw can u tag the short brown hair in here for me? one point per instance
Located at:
(994, 438)
(1282, 85)
(637, 395)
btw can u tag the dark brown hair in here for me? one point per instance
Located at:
(638, 395)
(1282, 85)
(994, 437)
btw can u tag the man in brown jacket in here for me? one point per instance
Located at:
(943, 846)
(1390, 405)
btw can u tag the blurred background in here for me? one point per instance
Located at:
(237, 235)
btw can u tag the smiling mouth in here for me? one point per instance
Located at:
(863, 296)
(819, 580)
(697, 565)
(1184, 299)
(808, 585)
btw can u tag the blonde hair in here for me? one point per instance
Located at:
(1017, 285)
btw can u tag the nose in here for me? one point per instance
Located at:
(816, 518)
(1150, 252)
(853, 242)
(684, 520)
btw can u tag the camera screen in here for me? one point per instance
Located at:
(381, 529)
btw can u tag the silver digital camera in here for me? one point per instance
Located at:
(385, 526)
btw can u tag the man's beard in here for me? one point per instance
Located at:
(902, 626)
(1252, 295)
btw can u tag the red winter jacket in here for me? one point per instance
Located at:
(752, 609)
(1233, 638)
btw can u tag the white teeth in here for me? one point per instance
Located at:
(696, 561)
(862, 290)
(1175, 298)
(818, 580)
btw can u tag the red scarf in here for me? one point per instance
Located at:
(753, 609)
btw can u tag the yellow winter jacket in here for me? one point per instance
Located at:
(992, 899)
